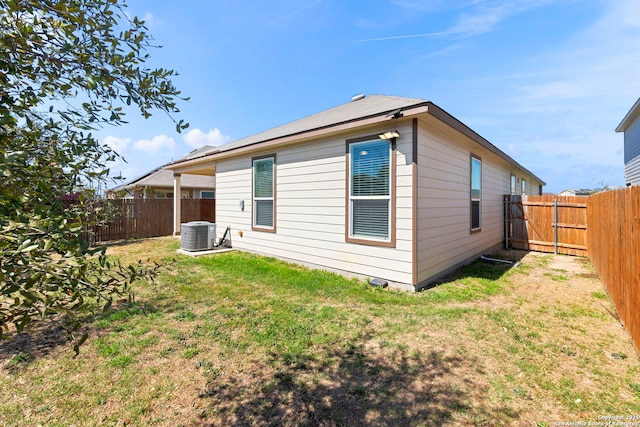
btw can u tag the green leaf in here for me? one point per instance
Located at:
(70, 52)
(76, 346)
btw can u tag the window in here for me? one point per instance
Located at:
(263, 193)
(370, 204)
(476, 192)
(207, 194)
(523, 186)
(513, 184)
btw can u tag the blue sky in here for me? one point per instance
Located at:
(546, 81)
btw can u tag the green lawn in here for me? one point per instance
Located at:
(238, 339)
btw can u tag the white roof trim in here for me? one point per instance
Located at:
(633, 113)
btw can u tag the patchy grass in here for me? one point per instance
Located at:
(238, 339)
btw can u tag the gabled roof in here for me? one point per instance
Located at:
(164, 178)
(369, 106)
(633, 113)
(206, 149)
(362, 110)
(160, 177)
(579, 191)
(356, 110)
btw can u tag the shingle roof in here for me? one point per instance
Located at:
(207, 149)
(579, 191)
(160, 177)
(356, 111)
(371, 105)
(164, 178)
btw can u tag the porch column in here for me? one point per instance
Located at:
(176, 203)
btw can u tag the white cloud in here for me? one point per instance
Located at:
(196, 138)
(489, 16)
(485, 18)
(564, 101)
(482, 22)
(119, 145)
(148, 19)
(152, 146)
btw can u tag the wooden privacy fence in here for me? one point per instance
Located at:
(613, 221)
(556, 224)
(604, 226)
(140, 218)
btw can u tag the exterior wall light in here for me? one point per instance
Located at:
(389, 134)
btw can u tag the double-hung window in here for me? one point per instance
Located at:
(523, 186)
(476, 193)
(513, 184)
(370, 199)
(264, 193)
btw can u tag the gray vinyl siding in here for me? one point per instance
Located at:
(632, 172)
(632, 153)
(311, 211)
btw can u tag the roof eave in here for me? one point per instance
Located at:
(447, 118)
(633, 113)
(411, 110)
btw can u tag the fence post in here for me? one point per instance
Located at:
(555, 227)
(507, 213)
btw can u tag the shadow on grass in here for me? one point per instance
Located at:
(44, 337)
(21, 349)
(353, 387)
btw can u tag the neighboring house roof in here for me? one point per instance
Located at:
(207, 149)
(160, 177)
(360, 111)
(577, 192)
(631, 116)
(164, 178)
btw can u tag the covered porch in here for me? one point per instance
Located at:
(187, 168)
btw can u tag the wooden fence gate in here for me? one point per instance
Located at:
(554, 224)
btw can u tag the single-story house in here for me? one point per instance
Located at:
(158, 183)
(577, 192)
(630, 125)
(380, 187)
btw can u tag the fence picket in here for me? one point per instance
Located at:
(604, 226)
(613, 221)
(141, 218)
(554, 224)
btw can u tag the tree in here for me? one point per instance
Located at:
(67, 68)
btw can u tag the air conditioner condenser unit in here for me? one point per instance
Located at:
(197, 235)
